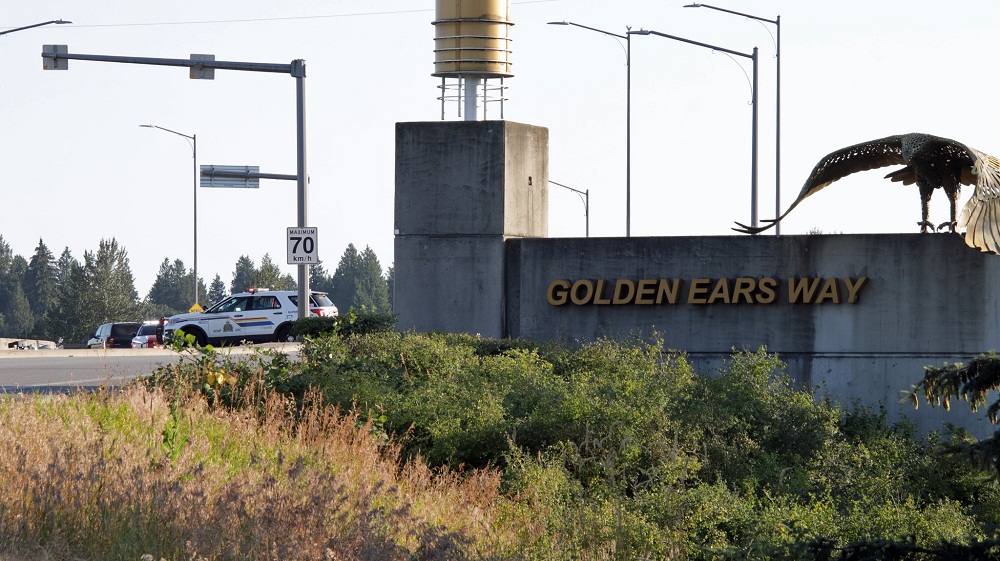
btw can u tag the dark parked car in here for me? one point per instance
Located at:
(116, 335)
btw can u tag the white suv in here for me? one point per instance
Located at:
(258, 316)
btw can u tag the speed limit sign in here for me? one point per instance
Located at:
(302, 244)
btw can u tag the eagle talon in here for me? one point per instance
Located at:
(924, 224)
(744, 229)
(952, 227)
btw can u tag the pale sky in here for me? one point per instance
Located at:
(78, 168)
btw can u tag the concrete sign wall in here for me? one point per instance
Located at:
(857, 315)
(803, 294)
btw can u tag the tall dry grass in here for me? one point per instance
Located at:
(122, 474)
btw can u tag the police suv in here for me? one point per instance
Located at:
(259, 316)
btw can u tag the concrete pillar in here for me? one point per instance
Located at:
(462, 188)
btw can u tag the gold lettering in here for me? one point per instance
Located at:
(721, 292)
(802, 288)
(807, 290)
(768, 293)
(588, 295)
(645, 292)
(744, 286)
(626, 296)
(558, 292)
(853, 288)
(668, 289)
(699, 287)
(599, 293)
(830, 292)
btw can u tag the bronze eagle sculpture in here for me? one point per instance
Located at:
(931, 162)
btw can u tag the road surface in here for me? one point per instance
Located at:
(70, 368)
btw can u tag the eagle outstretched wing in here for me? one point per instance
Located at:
(981, 215)
(873, 154)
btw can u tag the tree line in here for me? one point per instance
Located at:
(45, 297)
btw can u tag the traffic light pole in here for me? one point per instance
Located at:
(57, 57)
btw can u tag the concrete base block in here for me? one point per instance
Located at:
(450, 284)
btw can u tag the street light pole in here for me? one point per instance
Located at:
(194, 156)
(777, 120)
(628, 115)
(753, 142)
(59, 21)
(585, 196)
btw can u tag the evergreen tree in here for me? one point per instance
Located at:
(243, 276)
(168, 288)
(15, 313)
(172, 288)
(149, 311)
(319, 279)
(80, 317)
(216, 292)
(371, 290)
(188, 282)
(68, 319)
(343, 290)
(7, 277)
(110, 288)
(56, 319)
(40, 282)
(18, 320)
(269, 276)
(203, 300)
(358, 281)
(390, 281)
(18, 268)
(64, 269)
(6, 255)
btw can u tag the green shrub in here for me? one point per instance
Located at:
(444, 401)
(625, 452)
(492, 347)
(314, 326)
(224, 379)
(351, 323)
(755, 428)
(365, 321)
(456, 403)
